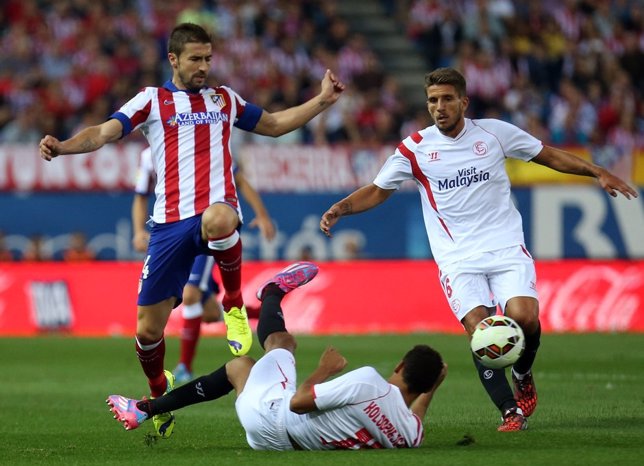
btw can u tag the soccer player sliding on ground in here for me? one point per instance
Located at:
(359, 409)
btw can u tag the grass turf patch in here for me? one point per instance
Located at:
(591, 405)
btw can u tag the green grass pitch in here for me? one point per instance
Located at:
(591, 405)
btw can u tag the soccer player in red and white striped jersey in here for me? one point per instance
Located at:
(188, 126)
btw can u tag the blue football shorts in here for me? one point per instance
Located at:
(171, 255)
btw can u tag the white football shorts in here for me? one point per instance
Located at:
(266, 397)
(488, 279)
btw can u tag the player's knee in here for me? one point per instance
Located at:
(219, 220)
(148, 335)
(211, 314)
(237, 371)
(528, 319)
(148, 330)
(191, 295)
(282, 340)
(473, 317)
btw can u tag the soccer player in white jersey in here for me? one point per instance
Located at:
(474, 230)
(359, 409)
(188, 126)
(200, 291)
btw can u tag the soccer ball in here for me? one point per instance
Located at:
(497, 342)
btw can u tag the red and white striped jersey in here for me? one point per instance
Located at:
(190, 140)
(464, 187)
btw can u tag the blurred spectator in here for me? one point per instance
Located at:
(572, 117)
(483, 25)
(38, 249)
(306, 254)
(5, 254)
(22, 128)
(488, 79)
(78, 251)
(196, 11)
(632, 58)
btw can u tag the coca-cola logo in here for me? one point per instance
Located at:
(593, 298)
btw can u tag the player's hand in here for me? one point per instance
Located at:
(331, 87)
(329, 218)
(140, 241)
(441, 377)
(613, 184)
(49, 147)
(332, 361)
(265, 225)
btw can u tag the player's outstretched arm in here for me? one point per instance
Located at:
(87, 140)
(420, 404)
(331, 363)
(262, 218)
(566, 162)
(362, 199)
(141, 235)
(285, 121)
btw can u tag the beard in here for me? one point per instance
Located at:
(450, 126)
(190, 81)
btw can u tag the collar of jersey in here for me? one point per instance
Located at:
(169, 85)
(467, 124)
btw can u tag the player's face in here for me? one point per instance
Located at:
(191, 67)
(447, 108)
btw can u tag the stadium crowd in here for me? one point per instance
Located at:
(569, 72)
(67, 64)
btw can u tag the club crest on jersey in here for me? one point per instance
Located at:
(479, 148)
(218, 100)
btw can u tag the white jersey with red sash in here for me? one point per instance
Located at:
(464, 187)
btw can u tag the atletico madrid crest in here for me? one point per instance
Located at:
(218, 100)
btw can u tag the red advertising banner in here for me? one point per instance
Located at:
(99, 298)
(269, 168)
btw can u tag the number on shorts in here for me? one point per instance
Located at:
(146, 271)
(446, 287)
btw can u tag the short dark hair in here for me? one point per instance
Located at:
(447, 76)
(184, 33)
(421, 367)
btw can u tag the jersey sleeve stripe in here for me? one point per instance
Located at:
(125, 121)
(420, 432)
(422, 179)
